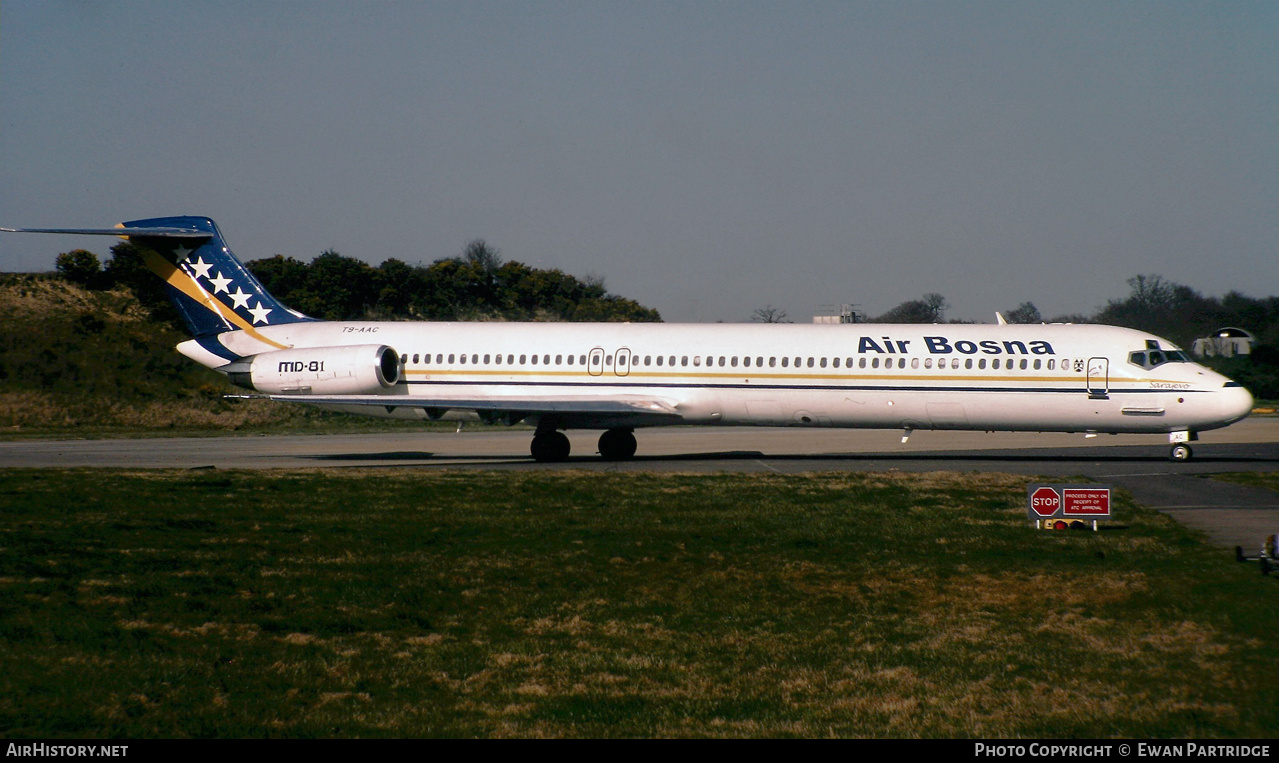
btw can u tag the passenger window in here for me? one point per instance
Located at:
(683, 361)
(1036, 364)
(810, 362)
(1050, 363)
(733, 363)
(487, 359)
(1023, 364)
(823, 363)
(759, 361)
(968, 363)
(659, 360)
(772, 362)
(648, 360)
(523, 359)
(861, 363)
(785, 362)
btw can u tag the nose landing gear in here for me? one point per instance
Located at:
(1181, 445)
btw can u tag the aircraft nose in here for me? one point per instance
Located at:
(1236, 402)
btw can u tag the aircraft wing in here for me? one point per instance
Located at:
(587, 412)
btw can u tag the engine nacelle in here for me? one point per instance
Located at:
(351, 370)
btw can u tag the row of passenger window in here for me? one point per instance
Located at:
(733, 361)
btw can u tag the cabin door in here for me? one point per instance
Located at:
(622, 362)
(1098, 378)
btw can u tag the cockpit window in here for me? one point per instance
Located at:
(1157, 358)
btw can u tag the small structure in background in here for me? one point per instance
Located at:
(847, 314)
(1228, 342)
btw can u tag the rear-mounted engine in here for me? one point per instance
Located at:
(353, 370)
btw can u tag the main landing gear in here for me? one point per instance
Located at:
(552, 445)
(617, 444)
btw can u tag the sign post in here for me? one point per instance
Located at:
(1063, 506)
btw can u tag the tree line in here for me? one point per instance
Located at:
(475, 285)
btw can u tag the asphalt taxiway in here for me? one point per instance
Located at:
(1230, 515)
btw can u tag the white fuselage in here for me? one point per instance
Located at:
(1054, 377)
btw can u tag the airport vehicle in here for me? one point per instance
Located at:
(620, 377)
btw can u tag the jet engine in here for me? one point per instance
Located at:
(350, 370)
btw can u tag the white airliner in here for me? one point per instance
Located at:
(621, 377)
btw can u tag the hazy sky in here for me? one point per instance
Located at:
(705, 158)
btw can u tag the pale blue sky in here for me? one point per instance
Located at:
(706, 158)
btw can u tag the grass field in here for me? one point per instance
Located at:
(237, 604)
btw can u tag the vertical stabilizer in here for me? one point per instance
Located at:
(210, 287)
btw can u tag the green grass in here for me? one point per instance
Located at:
(1267, 480)
(557, 603)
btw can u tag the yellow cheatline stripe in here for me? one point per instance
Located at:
(641, 375)
(184, 283)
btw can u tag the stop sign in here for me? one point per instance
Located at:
(1045, 501)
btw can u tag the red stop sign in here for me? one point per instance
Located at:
(1045, 501)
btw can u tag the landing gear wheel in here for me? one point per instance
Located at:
(1181, 452)
(549, 447)
(617, 445)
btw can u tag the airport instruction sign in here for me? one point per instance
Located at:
(1068, 501)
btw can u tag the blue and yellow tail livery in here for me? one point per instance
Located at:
(212, 290)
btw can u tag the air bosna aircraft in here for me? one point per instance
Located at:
(621, 377)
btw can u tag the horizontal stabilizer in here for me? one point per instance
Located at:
(156, 232)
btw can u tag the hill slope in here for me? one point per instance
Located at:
(75, 360)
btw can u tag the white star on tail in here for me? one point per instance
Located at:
(200, 268)
(260, 313)
(239, 298)
(220, 283)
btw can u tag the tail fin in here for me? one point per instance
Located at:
(211, 289)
